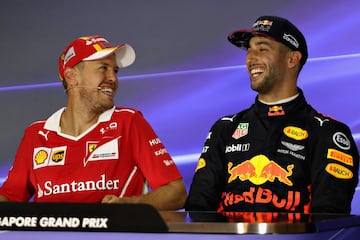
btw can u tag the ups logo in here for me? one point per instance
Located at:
(58, 156)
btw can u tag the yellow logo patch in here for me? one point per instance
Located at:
(40, 157)
(339, 171)
(58, 156)
(340, 156)
(201, 164)
(296, 133)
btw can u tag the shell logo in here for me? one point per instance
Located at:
(295, 133)
(40, 157)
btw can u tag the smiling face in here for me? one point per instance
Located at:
(97, 83)
(267, 63)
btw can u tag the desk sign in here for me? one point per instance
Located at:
(80, 217)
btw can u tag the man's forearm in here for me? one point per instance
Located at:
(171, 196)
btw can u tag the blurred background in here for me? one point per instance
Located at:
(186, 75)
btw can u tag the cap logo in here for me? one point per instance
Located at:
(95, 40)
(69, 54)
(262, 25)
(289, 38)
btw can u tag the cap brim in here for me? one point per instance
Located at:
(125, 55)
(241, 38)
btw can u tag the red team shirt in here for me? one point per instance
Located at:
(115, 156)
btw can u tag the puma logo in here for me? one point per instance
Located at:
(321, 121)
(44, 134)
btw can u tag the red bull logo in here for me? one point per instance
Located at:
(264, 22)
(289, 202)
(243, 171)
(259, 170)
(276, 111)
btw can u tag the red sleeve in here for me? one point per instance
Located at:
(17, 186)
(150, 154)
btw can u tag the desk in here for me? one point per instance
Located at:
(130, 221)
(346, 234)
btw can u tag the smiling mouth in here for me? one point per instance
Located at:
(107, 91)
(255, 72)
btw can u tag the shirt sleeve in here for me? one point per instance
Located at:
(208, 181)
(150, 154)
(334, 169)
(17, 186)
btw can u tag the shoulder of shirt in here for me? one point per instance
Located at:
(124, 110)
(232, 118)
(326, 121)
(35, 126)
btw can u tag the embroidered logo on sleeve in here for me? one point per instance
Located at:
(339, 171)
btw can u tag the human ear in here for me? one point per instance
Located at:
(294, 59)
(70, 75)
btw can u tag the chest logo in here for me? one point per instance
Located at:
(295, 133)
(241, 130)
(259, 170)
(44, 157)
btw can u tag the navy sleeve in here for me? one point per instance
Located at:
(208, 181)
(334, 168)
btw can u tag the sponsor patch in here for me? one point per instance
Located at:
(341, 140)
(240, 147)
(58, 156)
(260, 169)
(205, 149)
(295, 133)
(276, 111)
(107, 151)
(260, 195)
(291, 39)
(90, 147)
(201, 164)
(208, 136)
(340, 156)
(153, 142)
(339, 171)
(293, 147)
(43, 157)
(241, 130)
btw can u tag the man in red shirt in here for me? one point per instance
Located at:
(92, 151)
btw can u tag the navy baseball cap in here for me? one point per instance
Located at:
(276, 28)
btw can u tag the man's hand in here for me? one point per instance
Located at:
(171, 196)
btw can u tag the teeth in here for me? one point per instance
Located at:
(107, 91)
(256, 71)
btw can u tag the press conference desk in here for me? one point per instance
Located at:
(128, 221)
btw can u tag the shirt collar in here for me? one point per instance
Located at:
(53, 122)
